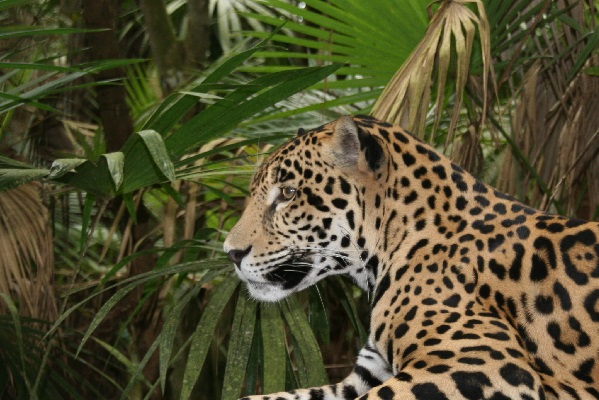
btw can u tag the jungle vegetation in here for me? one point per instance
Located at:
(129, 130)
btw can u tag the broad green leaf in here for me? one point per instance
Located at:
(116, 163)
(273, 348)
(140, 168)
(216, 120)
(95, 178)
(177, 105)
(62, 166)
(148, 160)
(242, 104)
(254, 372)
(157, 150)
(310, 364)
(169, 331)
(12, 178)
(101, 65)
(204, 333)
(240, 344)
(27, 92)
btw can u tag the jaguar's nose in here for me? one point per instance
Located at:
(237, 255)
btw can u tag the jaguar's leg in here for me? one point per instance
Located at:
(472, 355)
(370, 370)
(509, 381)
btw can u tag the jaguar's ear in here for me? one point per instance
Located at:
(346, 143)
(352, 147)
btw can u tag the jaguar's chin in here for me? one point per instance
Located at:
(267, 292)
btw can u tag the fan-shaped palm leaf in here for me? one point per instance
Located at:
(26, 260)
(371, 38)
(449, 38)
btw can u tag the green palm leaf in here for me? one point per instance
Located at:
(370, 38)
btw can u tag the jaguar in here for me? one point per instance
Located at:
(473, 295)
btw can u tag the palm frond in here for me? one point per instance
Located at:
(449, 39)
(554, 125)
(26, 255)
(371, 39)
(229, 16)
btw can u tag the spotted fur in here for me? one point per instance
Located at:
(473, 295)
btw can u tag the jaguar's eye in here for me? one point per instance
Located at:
(288, 192)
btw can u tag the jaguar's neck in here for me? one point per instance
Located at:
(431, 219)
(422, 196)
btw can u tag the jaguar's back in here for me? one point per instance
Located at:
(473, 294)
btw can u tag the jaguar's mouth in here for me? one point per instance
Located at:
(280, 281)
(289, 275)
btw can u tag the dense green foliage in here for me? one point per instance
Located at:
(143, 303)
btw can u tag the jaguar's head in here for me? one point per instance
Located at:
(305, 219)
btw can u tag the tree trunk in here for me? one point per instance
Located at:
(112, 108)
(197, 39)
(118, 126)
(167, 51)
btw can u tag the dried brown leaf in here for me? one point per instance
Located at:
(554, 128)
(407, 98)
(26, 258)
